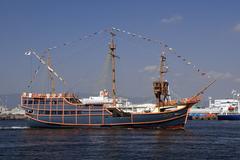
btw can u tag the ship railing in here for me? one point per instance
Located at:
(47, 95)
(190, 100)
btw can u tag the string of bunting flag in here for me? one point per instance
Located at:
(65, 44)
(166, 47)
(134, 35)
(57, 47)
(28, 53)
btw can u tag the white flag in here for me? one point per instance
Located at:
(28, 53)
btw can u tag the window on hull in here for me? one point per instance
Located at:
(68, 112)
(58, 112)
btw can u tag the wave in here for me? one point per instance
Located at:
(14, 127)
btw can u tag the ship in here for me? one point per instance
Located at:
(66, 110)
(209, 112)
(221, 109)
(228, 109)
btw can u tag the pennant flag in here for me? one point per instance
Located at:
(28, 53)
(233, 91)
(55, 74)
(162, 45)
(50, 69)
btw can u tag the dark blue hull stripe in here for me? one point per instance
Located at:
(229, 117)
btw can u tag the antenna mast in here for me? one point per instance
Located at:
(112, 48)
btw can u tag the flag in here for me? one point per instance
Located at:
(233, 91)
(28, 53)
(50, 69)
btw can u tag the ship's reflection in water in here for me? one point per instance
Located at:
(200, 140)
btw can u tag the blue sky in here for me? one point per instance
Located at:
(205, 32)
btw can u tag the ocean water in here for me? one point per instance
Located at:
(200, 140)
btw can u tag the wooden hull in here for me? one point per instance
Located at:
(66, 111)
(172, 119)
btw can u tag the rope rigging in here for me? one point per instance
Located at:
(65, 44)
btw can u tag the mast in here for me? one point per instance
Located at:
(162, 66)
(52, 82)
(160, 87)
(112, 48)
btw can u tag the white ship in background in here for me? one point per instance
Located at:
(223, 109)
(225, 106)
(213, 107)
(230, 109)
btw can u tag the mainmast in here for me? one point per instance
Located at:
(52, 82)
(161, 86)
(112, 48)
